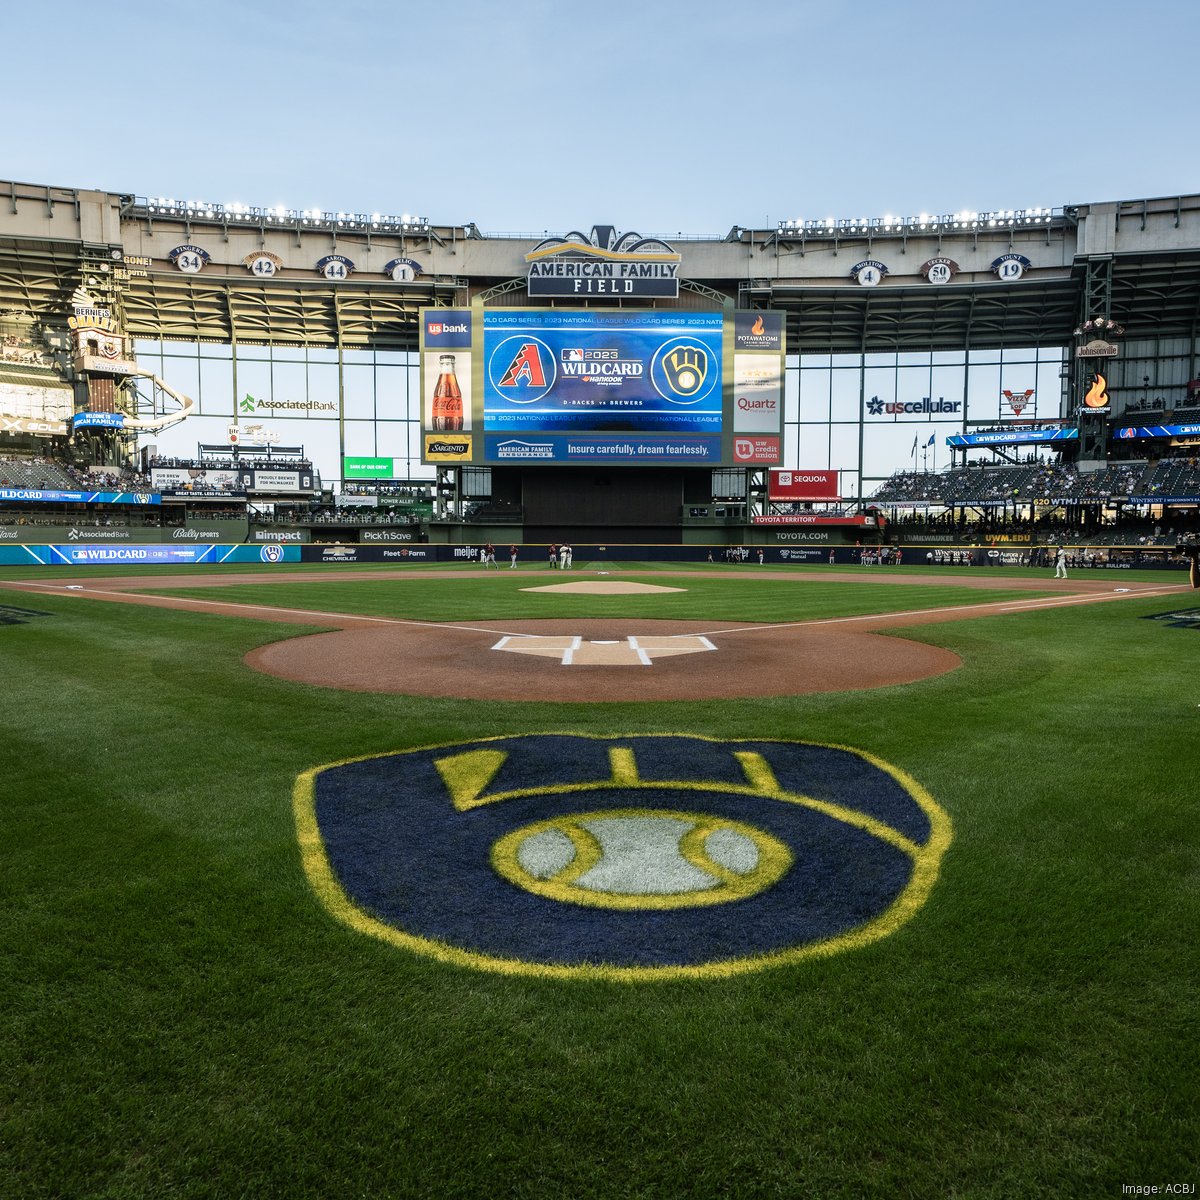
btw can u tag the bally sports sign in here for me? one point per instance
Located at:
(802, 485)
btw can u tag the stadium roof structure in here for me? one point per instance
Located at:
(1137, 261)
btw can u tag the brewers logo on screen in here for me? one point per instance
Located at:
(680, 371)
(628, 858)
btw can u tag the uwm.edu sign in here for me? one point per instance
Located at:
(802, 485)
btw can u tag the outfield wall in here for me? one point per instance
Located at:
(82, 554)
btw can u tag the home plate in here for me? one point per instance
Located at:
(605, 588)
(640, 651)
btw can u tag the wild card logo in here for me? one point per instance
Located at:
(630, 858)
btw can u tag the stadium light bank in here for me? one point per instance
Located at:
(960, 222)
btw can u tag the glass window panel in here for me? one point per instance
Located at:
(253, 379)
(844, 393)
(1048, 399)
(887, 449)
(843, 455)
(814, 395)
(812, 447)
(879, 383)
(359, 391)
(791, 395)
(912, 387)
(390, 399)
(983, 384)
(216, 387)
(358, 357)
(391, 437)
(946, 383)
(322, 354)
(288, 382)
(360, 439)
(323, 386)
(283, 354)
(183, 374)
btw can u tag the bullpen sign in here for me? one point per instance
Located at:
(628, 858)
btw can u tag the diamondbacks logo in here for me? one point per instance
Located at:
(629, 858)
(522, 369)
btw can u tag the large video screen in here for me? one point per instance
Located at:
(561, 386)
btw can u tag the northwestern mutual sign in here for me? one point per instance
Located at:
(605, 264)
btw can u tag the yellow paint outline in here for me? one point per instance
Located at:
(926, 867)
(774, 859)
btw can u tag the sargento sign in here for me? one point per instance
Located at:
(802, 485)
(560, 386)
(603, 264)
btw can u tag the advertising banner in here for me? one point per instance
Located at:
(84, 555)
(368, 468)
(1013, 437)
(98, 420)
(39, 496)
(757, 449)
(374, 554)
(253, 479)
(1152, 431)
(226, 481)
(802, 485)
(812, 519)
(757, 393)
(448, 447)
(280, 535)
(762, 331)
(574, 448)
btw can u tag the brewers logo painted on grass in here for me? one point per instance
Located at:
(634, 857)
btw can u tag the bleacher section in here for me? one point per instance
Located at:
(992, 486)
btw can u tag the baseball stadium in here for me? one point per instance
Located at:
(592, 713)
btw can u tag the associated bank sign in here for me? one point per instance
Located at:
(603, 264)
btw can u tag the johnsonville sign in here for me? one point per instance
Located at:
(603, 265)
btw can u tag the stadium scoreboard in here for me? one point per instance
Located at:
(525, 386)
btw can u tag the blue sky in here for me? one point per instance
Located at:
(661, 116)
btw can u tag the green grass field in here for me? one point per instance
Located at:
(183, 1017)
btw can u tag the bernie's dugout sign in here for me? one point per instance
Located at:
(628, 858)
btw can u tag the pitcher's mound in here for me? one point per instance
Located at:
(603, 587)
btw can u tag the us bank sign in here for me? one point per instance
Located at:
(604, 264)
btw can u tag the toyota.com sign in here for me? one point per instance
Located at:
(802, 485)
